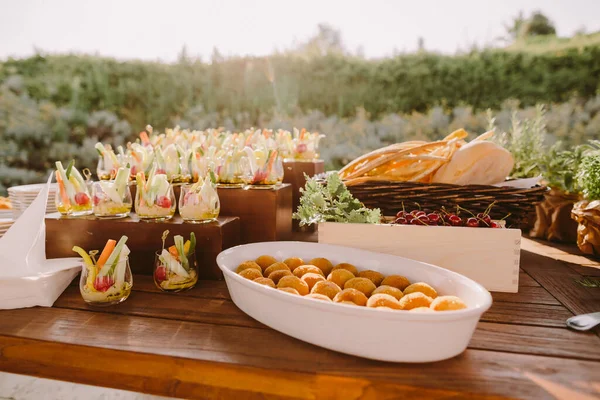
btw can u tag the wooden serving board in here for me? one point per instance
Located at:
(488, 256)
(144, 238)
(265, 214)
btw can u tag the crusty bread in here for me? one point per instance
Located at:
(476, 163)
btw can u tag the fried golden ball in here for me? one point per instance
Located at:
(265, 261)
(347, 267)
(277, 275)
(361, 284)
(352, 295)
(326, 288)
(414, 300)
(289, 290)
(392, 291)
(251, 274)
(311, 279)
(383, 300)
(295, 283)
(373, 276)
(247, 265)
(318, 296)
(421, 309)
(278, 266)
(293, 262)
(421, 287)
(397, 281)
(265, 281)
(323, 264)
(305, 269)
(447, 303)
(340, 276)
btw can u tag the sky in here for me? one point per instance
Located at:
(158, 30)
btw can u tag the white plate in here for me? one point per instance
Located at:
(398, 336)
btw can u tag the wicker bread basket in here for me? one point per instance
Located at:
(514, 204)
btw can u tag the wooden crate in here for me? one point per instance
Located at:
(488, 256)
(144, 238)
(265, 214)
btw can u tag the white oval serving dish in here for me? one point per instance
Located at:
(386, 335)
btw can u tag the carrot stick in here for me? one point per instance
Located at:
(271, 161)
(63, 191)
(110, 246)
(173, 251)
(134, 155)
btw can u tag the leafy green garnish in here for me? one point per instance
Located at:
(560, 167)
(589, 174)
(332, 202)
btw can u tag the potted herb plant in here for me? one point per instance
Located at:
(587, 211)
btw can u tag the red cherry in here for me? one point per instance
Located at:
(495, 225)
(455, 220)
(160, 274)
(163, 201)
(161, 171)
(301, 148)
(422, 220)
(484, 218)
(133, 171)
(473, 223)
(401, 214)
(409, 218)
(418, 213)
(96, 200)
(82, 199)
(401, 221)
(434, 218)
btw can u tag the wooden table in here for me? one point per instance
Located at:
(199, 345)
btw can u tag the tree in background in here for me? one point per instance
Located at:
(536, 25)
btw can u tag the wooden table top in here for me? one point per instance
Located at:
(197, 344)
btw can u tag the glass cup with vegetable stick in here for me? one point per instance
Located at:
(154, 197)
(107, 280)
(305, 145)
(266, 168)
(112, 199)
(108, 162)
(233, 168)
(72, 197)
(175, 267)
(199, 202)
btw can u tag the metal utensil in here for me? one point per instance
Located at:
(584, 322)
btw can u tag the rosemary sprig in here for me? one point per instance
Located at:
(589, 282)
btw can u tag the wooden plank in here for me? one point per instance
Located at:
(199, 379)
(527, 314)
(214, 299)
(165, 343)
(530, 295)
(144, 239)
(560, 251)
(536, 340)
(204, 288)
(167, 306)
(525, 280)
(559, 279)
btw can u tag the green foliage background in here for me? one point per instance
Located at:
(56, 107)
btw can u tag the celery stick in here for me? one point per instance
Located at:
(180, 249)
(68, 186)
(79, 178)
(121, 180)
(192, 243)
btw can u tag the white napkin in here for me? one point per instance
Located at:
(525, 183)
(27, 278)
